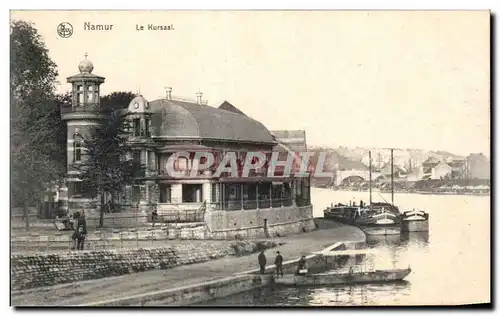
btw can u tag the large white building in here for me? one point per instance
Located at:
(255, 205)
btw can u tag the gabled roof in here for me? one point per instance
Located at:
(231, 108)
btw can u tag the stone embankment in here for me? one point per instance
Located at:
(191, 283)
(36, 270)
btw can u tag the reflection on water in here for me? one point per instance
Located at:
(450, 264)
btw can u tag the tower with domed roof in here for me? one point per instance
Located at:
(83, 114)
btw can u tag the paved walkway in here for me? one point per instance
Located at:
(138, 283)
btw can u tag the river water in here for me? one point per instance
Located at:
(450, 264)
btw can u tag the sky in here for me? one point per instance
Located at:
(400, 79)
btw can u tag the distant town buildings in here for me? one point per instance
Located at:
(477, 166)
(472, 167)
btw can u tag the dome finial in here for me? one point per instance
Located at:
(86, 65)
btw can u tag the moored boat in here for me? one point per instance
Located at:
(376, 230)
(343, 213)
(326, 279)
(384, 223)
(415, 221)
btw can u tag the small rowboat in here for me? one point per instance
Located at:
(325, 279)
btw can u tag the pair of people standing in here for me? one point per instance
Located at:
(278, 262)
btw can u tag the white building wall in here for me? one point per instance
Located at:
(440, 171)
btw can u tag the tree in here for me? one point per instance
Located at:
(117, 100)
(35, 119)
(104, 167)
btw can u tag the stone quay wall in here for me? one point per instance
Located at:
(260, 223)
(37, 270)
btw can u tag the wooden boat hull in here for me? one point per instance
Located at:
(415, 225)
(381, 230)
(344, 278)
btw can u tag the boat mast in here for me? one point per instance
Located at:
(370, 175)
(392, 176)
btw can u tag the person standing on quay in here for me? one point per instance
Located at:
(81, 231)
(278, 262)
(262, 262)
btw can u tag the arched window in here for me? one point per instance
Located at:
(79, 95)
(77, 148)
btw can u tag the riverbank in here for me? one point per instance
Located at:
(423, 192)
(114, 288)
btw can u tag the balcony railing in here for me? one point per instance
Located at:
(235, 205)
(86, 108)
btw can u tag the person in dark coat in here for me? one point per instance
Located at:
(301, 265)
(81, 231)
(262, 262)
(278, 262)
(154, 217)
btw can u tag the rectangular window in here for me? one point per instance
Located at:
(80, 99)
(77, 151)
(165, 193)
(136, 156)
(136, 193)
(137, 127)
(192, 193)
(150, 193)
(78, 188)
(79, 88)
(90, 97)
(215, 196)
(146, 123)
(151, 160)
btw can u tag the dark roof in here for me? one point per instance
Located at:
(84, 76)
(294, 140)
(432, 160)
(229, 107)
(189, 120)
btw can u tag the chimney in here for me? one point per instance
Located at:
(169, 93)
(198, 97)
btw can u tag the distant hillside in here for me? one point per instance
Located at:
(334, 160)
(354, 158)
